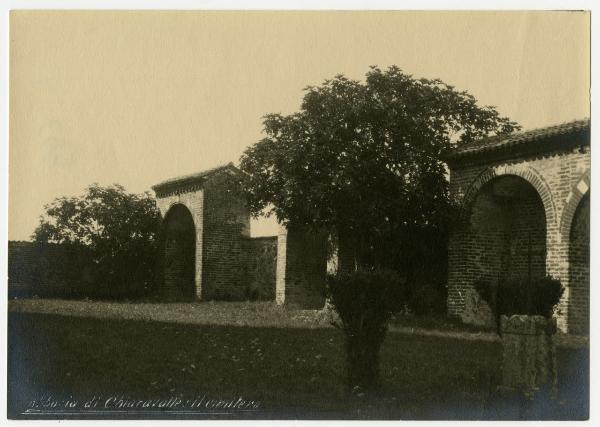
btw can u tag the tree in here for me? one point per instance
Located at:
(363, 161)
(364, 301)
(115, 234)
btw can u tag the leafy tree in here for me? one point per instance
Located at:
(364, 162)
(115, 234)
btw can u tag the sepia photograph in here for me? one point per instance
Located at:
(298, 215)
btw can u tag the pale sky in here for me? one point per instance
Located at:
(138, 97)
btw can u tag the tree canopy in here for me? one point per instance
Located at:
(363, 160)
(117, 235)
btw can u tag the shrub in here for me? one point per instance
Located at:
(547, 295)
(519, 296)
(487, 290)
(427, 298)
(365, 300)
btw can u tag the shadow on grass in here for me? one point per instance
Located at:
(63, 363)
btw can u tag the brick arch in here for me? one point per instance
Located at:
(179, 256)
(579, 190)
(528, 173)
(174, 203)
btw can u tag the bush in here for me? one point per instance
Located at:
(365, 300)
(519, 296)
(547, 294)
(427, 299)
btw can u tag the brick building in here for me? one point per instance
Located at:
(209, 254)
(526, 202)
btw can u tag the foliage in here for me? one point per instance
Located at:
(427, 298)
(519, 296)
(115, 235)
(364, 161)
(365, 300)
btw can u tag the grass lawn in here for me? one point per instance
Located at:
(291, 372)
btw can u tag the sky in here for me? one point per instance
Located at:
(138, 97)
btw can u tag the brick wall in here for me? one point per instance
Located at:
(484, 243)
(260, 260)
(226, 224)
(193, 200)
(21, 275)
(527, 246)
(229, 265)
(33, 269)
(556, 177)
(505, 237)
(579, 269)
(301, 268)
(221, 222)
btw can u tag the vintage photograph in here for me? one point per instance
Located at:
(313, 215)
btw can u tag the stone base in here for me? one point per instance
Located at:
(476, 311)
(529, 359)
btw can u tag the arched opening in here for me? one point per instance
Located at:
(180, 249)
(579, 269)
(506, 232)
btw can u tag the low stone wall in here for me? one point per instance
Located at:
(529, 357)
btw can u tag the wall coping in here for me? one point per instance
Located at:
(192, 182)
(544, 140)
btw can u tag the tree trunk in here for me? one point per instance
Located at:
(354, 251)
(346, 251)
(363, 361)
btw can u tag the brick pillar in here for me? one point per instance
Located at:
(557, 266)
(301, 268)
(280, 266)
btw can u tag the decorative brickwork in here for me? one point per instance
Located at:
(193, 201)
(579, 190)
(579, 269)
(521, 170)
(221, 220)
(555, 164)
